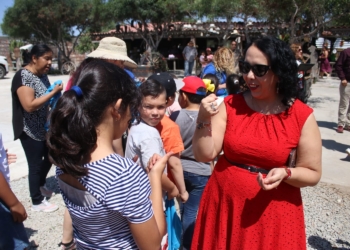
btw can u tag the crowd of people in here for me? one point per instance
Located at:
(220, 145)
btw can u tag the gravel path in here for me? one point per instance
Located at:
(327, 215)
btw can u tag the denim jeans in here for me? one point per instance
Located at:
(38, 163)
(12, 234)
(195, 185)
(188, 68)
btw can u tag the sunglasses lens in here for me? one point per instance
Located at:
(244, 67)
(260, 70)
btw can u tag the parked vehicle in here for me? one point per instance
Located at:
(4, 67)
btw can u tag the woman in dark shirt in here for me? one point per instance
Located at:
(30, 110)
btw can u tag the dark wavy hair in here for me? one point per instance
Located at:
(37, 51)
(72, 134)
(283, 65)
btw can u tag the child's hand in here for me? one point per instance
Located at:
(173, 193)
(184, 196)
(11, 158)
(156, 163)
(18, 212)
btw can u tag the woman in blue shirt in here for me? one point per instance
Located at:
(223, 64)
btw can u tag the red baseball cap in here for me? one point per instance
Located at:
(194, 85)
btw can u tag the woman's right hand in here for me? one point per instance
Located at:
(208, 108)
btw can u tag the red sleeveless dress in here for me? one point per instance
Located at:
(235, 213)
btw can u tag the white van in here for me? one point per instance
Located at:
(4, 67)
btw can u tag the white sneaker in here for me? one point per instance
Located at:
(45, 192)
(348, 151)
(45, 206)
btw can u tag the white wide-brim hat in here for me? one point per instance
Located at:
(113, 48)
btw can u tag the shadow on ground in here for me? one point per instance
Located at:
(319, 243)
(333, 145)
(347, 158)
(325, 124)
(30, 232)
(316, 102)
(51, 183)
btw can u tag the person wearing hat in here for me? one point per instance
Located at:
(113, 50)
(170, 133)
(196, 174)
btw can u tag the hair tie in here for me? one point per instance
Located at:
(77, 91)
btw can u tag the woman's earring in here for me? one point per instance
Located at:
(278, 85)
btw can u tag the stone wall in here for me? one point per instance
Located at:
(5, 49)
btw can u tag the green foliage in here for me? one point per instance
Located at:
(143, 12)
(53, 21)
(85, 44)
(307, 17)
(158, 61)
(15, 44)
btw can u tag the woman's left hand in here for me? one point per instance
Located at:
(272, 179)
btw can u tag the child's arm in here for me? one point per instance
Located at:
(175, 167)
(169, 187)
(9, 198)
(155, 228)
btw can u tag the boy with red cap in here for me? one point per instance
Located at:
(196, 174)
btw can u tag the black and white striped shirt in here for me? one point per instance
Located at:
(122, 191)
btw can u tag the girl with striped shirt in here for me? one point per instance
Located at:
(112, 202)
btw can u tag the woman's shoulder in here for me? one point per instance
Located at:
(210, 68)
(299, 106)
(234, 98)
(299, 112)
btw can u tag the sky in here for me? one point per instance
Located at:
(3, 6)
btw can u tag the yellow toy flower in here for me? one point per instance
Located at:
(210, 86)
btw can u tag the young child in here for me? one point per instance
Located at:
(196, 174)
(170, 133)
(108, 197)
(212, 85)
(233, 84)
(12, 212)
(144, 139)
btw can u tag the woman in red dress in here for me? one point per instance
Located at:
(252, 200)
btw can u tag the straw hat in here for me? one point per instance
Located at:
(114, 49)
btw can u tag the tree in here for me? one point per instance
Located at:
(54, 22)
(151, 18)
(306, 17)
(228, 9)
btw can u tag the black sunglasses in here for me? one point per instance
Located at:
(258, 69)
